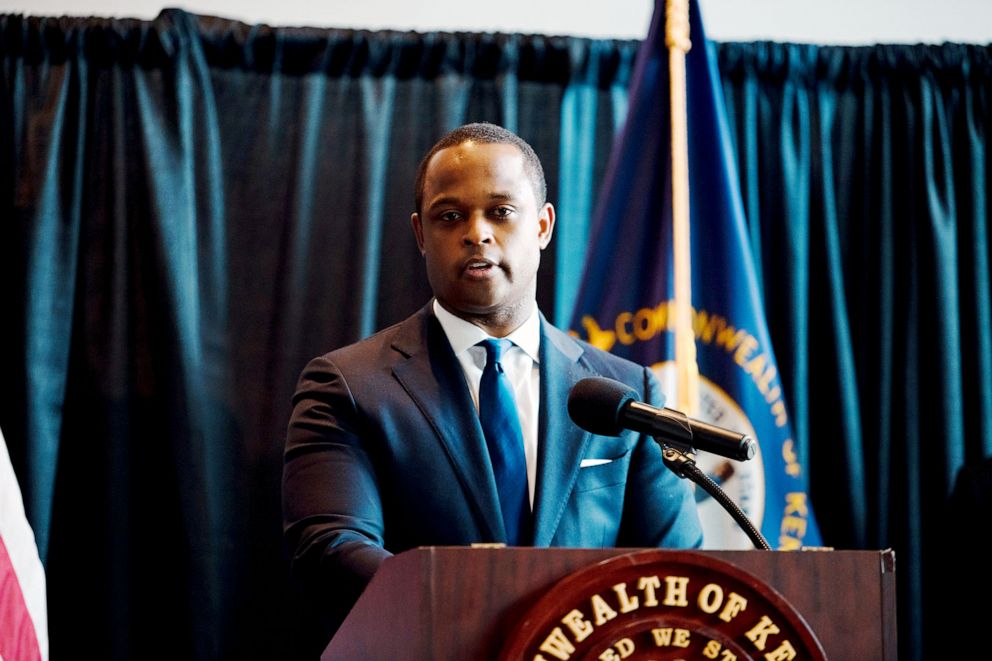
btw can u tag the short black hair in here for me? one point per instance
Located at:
(489, 134)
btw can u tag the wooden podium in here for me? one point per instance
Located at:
(466, 603)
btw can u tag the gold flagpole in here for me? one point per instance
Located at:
(677, 40)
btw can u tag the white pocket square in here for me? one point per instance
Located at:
(586, 463)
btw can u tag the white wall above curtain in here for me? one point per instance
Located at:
(809, 21)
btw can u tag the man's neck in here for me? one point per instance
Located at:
(464, 334)
(500, 323)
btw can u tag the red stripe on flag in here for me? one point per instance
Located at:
(18, 640)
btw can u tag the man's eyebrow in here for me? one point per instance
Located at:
(496, 196)
(442, 201)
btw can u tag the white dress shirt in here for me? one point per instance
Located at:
(520, 364)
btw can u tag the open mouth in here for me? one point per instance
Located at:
(478, 267)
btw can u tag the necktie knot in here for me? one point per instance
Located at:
(495, 349)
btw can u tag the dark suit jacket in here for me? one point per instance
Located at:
(385, 453)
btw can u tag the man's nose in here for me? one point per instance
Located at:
(478, 230)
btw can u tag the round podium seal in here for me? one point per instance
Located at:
(662, 605)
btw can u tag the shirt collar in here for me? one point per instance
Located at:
(464, 334)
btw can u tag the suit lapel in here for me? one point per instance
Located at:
(561, 444)
(434, 380)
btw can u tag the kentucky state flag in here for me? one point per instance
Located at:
(625, 303)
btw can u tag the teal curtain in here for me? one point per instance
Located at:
(864, 172)
(190, 209)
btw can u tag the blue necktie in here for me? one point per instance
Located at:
(505, 439)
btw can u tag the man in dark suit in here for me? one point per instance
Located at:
(391, 442)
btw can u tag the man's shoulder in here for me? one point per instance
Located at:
(384, 345)
(601, 362)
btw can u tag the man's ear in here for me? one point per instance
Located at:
(545, 224)
(418, 230)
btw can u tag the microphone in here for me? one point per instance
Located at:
(607, 407)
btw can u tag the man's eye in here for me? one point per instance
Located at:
(502, 212)
(450, 216)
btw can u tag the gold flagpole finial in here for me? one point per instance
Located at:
(677, 25)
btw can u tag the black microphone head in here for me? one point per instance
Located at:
(595, 404)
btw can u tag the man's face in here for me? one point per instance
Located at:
(481, 232)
